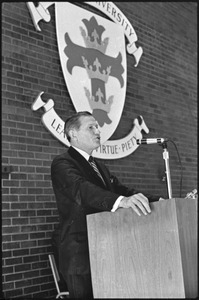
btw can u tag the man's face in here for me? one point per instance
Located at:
(87, 137)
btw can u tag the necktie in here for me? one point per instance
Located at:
(93, 164)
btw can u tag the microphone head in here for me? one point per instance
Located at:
(151, 141)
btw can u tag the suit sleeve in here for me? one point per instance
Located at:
(71, 185)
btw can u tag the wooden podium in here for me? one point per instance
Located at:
(153, 256)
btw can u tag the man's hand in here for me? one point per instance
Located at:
(138, 202)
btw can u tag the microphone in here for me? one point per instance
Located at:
(151, 141)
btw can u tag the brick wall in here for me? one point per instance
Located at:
(162, 89)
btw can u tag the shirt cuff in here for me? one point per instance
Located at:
(160, 199)
(116, 204)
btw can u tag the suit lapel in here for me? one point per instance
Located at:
(87, 168)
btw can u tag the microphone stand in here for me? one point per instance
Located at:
(167, 169)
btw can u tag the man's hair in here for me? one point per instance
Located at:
(74, 122)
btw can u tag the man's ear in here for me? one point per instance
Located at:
(73, 134)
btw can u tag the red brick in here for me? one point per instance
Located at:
(14, 277)
(22, 268)
(13, 293)
(22, 283)
(7, 270)
(8, 286)
(21, 252)
(10, 229)
(20, 221)
(13, 261)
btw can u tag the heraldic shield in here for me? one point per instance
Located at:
(93, 60)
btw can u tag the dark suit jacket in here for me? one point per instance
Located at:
(79, 191)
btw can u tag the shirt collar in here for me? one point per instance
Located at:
(83, 153)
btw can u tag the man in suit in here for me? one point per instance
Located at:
(81, 189)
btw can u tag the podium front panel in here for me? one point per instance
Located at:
(136, 257)
(187, 213)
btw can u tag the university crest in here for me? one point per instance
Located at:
(92, 53)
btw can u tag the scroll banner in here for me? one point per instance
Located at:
(113, 149)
